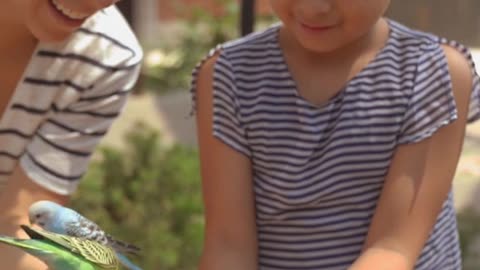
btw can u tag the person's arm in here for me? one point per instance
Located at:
(230, 234)
(417, 185)
(15, 199)
(58, 154)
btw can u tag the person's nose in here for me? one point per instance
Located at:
(317, 6)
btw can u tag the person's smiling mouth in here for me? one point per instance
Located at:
(68, 13)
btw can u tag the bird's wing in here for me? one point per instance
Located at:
(85, 228)
(97, 253)
(82, 227)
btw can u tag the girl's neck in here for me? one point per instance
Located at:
(372, 41)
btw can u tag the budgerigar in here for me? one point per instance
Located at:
(62, 220)
(61, 252)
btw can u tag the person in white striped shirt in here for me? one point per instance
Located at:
(66, 68)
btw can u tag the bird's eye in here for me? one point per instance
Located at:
(38, 215)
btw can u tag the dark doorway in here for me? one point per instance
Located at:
(126, 7)
(247, 20)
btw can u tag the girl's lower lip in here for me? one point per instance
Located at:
(66, 20)
(315, 28)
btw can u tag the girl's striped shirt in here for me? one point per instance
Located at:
(318, 170)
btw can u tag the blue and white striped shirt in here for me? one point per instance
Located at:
(318, 170)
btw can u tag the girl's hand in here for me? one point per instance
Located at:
(381, 259)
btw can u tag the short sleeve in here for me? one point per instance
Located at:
(60, 151)
(474, 107)
(228, 126)
(431, 102)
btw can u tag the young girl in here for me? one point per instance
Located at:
(65, 69)
(330, 141)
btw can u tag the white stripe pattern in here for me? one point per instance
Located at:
(66, 101)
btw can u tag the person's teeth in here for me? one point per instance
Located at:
(68, 12)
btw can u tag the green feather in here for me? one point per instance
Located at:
(62, 252)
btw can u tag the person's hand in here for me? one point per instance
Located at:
(13, 257)
(15, 199)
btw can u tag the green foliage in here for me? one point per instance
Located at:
(149, 195)
(200, 33)
(469, 229)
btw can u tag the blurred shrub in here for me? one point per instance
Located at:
(469, 229)
(148, 195)
(169, 67)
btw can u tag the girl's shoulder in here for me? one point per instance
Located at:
(431, 53)
(427, 51)
(256, 42)
(413, 40)
(244, 52)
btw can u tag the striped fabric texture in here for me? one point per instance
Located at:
(66, 101)
(318, 170)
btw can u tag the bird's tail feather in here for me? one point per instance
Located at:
(126, 262)
(122, 247)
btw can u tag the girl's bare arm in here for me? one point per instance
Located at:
(417, 184)
(230, 235)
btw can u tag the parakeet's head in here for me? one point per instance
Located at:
(43, 212)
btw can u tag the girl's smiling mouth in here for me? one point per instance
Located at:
(315, 28)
